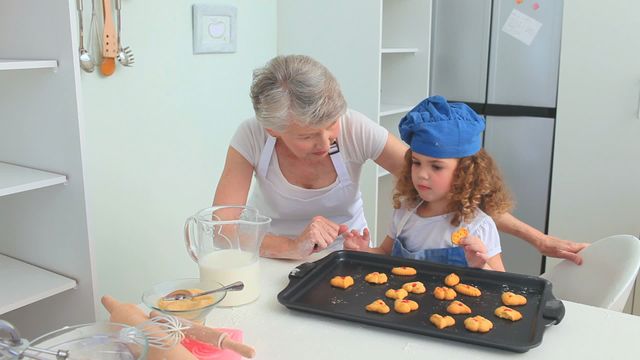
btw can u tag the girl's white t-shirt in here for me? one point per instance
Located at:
(422, 233)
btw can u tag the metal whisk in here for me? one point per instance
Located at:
(163, 331)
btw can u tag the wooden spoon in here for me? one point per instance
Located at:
(109, 41)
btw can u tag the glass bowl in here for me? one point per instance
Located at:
(96, 341)
(198, 314)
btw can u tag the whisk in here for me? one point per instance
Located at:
(163, 331)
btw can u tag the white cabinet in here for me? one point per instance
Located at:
(379, 52)
(45, 258)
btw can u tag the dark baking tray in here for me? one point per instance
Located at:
(309, 290)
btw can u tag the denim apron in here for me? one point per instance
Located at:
(450, 255)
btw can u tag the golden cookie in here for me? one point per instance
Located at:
(468, 290)
(378, 306)
(452, 280)
(458, 235)
(405, 306)
(508, 313)
(404, 271)
(478, 324)
(444, 293)
(415, 287)
(342, 281)
(456, 307)
(511, 299)
(442, 322)
(396, 294)
(376, 278)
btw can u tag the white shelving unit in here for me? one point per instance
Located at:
(379, 51)
(24, 284)
(9, 64)
(46, 269)
(15, 179)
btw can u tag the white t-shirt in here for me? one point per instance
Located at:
(422, 233)
(359, 139)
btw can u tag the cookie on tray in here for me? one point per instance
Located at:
(457, 307)
(404, 271)
(405, 306)
(342, 282)
(468, 290)
(415, 287)
(508, 313)
(378, 306)
(396, 294)
(442, 322)
(451, 280)
(478, 324)
(376, 278)
(444, 293)
(511, 299)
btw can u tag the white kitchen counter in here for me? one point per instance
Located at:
(276, 332)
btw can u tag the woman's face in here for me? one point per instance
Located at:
(307, 142)
(432, 177)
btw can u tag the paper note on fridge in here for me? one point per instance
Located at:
(522, 26)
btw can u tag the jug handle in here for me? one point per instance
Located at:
(191, 248)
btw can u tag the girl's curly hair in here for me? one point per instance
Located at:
(477, 183)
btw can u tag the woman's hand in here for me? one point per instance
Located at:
(318, 235)
(474, 251)
(354, 241)
(559, 248)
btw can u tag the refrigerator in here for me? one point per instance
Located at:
(501, 57)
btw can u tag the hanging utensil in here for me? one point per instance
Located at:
(125, 55)
(109, 41)
(86, 61)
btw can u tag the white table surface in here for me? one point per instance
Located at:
(277, 332)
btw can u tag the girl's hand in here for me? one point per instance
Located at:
(474, 251)
(354, 241)
(318, 235)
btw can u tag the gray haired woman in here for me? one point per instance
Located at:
(307, 149)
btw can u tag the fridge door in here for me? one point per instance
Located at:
(521, 74)
(460, 43)
(522, 147)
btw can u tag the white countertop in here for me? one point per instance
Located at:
(276, 332)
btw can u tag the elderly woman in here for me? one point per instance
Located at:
(306, 150)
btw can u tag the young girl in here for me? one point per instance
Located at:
(446, 178)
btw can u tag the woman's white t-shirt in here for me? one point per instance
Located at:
(359, 139)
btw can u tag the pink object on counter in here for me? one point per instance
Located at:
(206, 351)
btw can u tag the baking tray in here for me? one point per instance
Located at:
(309, 290)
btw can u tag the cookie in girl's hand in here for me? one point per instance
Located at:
(459, 235)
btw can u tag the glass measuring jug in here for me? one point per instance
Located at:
(225, 242)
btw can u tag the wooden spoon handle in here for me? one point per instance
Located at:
(109, 37)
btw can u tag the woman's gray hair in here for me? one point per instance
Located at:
(298, 86)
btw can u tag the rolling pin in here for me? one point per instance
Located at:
(215, 337)
(132, 315)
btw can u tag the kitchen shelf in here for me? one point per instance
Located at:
(399, 50)
(15, 64)
(392, 109)
(15, 179)
(23, 284)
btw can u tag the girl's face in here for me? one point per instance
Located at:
(307, 142)
(432, 177)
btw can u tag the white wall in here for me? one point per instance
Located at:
(595, 187)
(157, 135)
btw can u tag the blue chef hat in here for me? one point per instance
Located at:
(441, 130)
